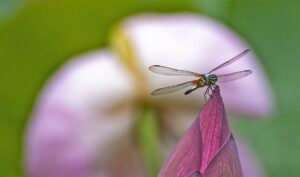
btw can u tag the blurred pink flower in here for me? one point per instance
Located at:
(85, 118)
(208, 147)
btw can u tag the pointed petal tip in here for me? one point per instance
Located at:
(214, 127)
(215, 96)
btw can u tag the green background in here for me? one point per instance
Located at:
(38, 36)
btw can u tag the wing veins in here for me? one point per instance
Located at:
(164, 70)
(233, 76)
(172, 88)
(232, 60)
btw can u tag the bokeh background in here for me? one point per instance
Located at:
(38, 36)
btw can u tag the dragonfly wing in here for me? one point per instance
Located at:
(234, 59)
(233, 76)
(173, 88)
(171, 71)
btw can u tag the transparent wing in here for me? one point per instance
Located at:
(234, 59)
(233, 76)
(173, 88)
(171, 71)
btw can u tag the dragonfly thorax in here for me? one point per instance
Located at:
(211, 79)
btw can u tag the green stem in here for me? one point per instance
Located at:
(148, 137)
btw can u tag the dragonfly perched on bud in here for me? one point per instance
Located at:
(209, 79)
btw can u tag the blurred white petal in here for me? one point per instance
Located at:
(198, 44)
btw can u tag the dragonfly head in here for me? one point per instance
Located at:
(212, 79)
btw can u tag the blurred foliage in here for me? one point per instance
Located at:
(9, 7)
(38, 36)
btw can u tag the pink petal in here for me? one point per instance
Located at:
(214, 127)
(185, 159)
(197, 43)
(226, 163)
(250, 165)
(52, 150)
(81, 124)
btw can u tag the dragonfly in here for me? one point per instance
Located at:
(209, 79)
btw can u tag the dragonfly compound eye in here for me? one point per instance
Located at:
(213, 78)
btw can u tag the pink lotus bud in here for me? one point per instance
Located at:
(208, 147)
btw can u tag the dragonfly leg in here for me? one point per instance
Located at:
(210, 91)
(190, 90)
(212, 88)
(206, 93)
